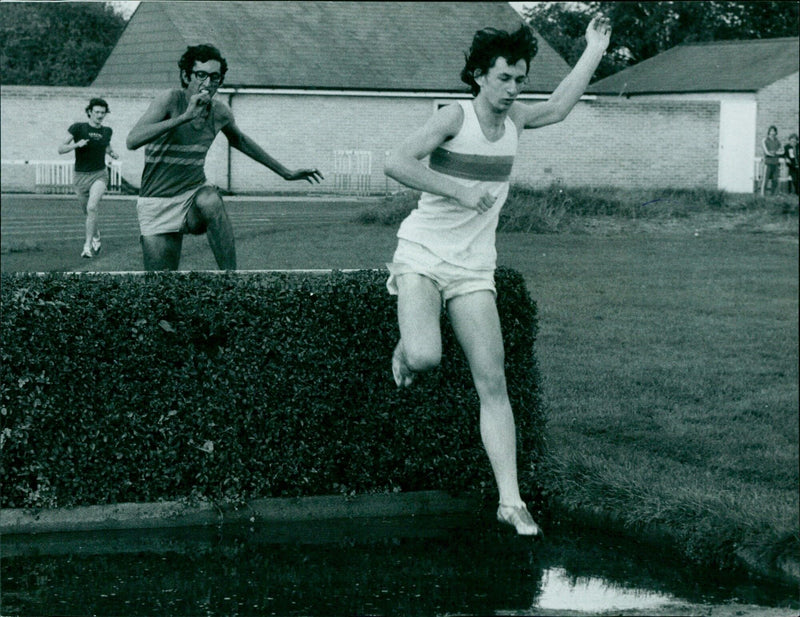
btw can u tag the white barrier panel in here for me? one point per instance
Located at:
(352, 171)
(58, 176)
(114, 176)
(54, 176)
(783, 174)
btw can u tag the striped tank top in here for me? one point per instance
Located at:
(454, 233)
(175, 161)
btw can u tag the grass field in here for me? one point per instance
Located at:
(669, 353)
(670, 367)
(668, 348)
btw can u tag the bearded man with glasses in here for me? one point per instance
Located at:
(178, 129)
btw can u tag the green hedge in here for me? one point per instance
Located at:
(136, 388)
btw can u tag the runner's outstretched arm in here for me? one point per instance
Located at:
(570, 90)
(244, 144)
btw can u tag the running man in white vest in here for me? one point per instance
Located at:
(446, 246)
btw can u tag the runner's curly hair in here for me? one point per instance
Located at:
(490, 44)
(200, 53)
(96, 102)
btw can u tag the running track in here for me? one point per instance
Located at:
(54, 218)
(54, 226)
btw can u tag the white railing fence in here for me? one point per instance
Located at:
(54, 176)
(352, 171)
(57, 176)
(758, 174)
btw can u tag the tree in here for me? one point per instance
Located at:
(645, 29)
(56, 43)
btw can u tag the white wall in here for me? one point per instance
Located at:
(609, 142)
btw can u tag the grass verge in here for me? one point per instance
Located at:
(557, 208)
(668, 348)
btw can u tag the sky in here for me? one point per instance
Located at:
(126, 7)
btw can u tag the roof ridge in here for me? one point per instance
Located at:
(304, 50)
(737, 41)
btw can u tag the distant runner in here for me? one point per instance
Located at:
(91, 141)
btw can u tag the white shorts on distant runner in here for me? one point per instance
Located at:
(450, 280)
(165, 215)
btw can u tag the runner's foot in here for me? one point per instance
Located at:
(96, 246)
(519, 518)
(403, 377)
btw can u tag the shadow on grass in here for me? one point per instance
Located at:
(25, 246)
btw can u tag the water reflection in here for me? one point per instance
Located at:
(561, 591)
(396, 566)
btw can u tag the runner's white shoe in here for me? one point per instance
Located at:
(402, 376)
(519, 518)
(96, 246)
(87, 252)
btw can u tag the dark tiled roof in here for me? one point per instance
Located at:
(384, 46)
(720, 66)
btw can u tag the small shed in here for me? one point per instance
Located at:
(755, 81)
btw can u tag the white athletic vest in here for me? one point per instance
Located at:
(454, 233)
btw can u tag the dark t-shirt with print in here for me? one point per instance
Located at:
(92, 157)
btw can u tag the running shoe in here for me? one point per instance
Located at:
(87, 252)
(96, 246)
(402, 378)
(519, 518)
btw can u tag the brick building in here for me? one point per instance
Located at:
(756, 83)
(308, 79)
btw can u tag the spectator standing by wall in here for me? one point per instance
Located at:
(771, 148)
(790, 156)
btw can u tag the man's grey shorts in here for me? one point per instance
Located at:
(165, 215)
(83, 181)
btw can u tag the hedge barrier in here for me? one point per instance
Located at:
(237, 386)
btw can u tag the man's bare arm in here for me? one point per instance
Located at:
(570, 90)
(70, 144)
(404, 163)
(244, 144)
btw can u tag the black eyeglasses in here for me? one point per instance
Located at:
(214, 78)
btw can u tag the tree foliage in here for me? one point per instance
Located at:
(56, 43)
(645, 29)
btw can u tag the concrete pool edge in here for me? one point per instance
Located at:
(284, 509)
(185, 514)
